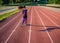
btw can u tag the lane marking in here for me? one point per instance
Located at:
(49, 19)
(13, 31)
(44, 27)
(54, 12)
(51, 14)
(11, 20)
(29, 38)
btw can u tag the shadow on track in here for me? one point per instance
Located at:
(48, 28)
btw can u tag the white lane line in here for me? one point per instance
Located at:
(52, 15)
(49, 19)
(29, 38)
(44, 27)
(13, 31)
(51, 10)
(9, 22)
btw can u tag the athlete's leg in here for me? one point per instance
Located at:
(23, 21)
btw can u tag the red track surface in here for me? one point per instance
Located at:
(43, 27)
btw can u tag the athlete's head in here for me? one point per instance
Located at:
(24, 6)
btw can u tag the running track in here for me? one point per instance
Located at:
(43, 26)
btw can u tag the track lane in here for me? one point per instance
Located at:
(4, 32)
(39, 26)
(54, 14)
(47, 21)
(54, 31)
(38, 36)
(54, 17)
(6, 29)
(30, 29)
(10, 19)
(21, 33)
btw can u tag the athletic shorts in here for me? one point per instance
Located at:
(25, 16)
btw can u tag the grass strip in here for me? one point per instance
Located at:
(4, 16)
(53, 5)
